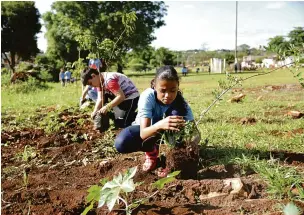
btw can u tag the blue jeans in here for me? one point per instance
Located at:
(129, 140)
(92, 94)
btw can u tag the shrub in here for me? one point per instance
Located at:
(45, 75)
(24, 67)
(136, 64)
(259, 60)
(5, 78)
(31, 85)
(4, 71)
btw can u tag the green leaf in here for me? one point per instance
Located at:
(118, 178)
(130, 173)
(112, 198)
(291, 209)
(299, 74)
(128, 186)
(103, 197)
(87, 209)
(94, 193)
(102, 200)
(173, 174)
(111, 185)
(103, 181)
(161, 182)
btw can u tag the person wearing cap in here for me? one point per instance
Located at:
(119, 89)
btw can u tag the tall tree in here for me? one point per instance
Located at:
(244, 48)
(164, 56)
(278, 44)
(146, 55)
(296, 36)
(97, 21)
(19, 26)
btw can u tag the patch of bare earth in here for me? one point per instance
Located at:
(62, 170)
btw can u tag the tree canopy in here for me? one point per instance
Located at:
(281, 44)
(19, 26)
(97, 22)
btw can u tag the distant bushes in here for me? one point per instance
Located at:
(29, 86)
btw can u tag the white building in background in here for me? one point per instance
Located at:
(217, 65)
(273, 63)
(288, 62)
(268, 62)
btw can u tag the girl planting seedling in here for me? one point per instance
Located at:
(163, 116)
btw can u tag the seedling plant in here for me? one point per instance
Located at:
(118, 189)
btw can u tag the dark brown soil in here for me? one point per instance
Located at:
(66, 164)
(184, 158)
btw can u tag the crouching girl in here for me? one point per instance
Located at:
(161, 107)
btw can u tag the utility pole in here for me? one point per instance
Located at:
(235, 51)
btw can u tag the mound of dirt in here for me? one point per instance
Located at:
(248, 120)
(184, 158)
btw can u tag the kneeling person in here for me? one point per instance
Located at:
(119, 89)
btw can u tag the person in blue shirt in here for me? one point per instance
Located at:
(161, 107)
(67, 76)
(184, 71)
(89, 93)
(61, 77)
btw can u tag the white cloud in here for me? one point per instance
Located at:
(275, 5)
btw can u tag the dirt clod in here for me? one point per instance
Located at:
(295, 114)
(237, 98)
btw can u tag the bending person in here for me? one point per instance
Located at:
(119, 89)
(161, 107)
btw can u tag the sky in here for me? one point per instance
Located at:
(190, 24)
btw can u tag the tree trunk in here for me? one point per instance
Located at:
(13, 61)
(119, 68)
(9, 62)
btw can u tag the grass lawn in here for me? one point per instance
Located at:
(273, 130)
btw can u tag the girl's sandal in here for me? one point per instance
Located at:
(163, 172)
(151, 160)
(150, 164)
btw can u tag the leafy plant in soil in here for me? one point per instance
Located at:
(28, 153)
(104, 146)
(281, 180)
(291, 209)
(52, 123)
(116, 191)
(25, 178)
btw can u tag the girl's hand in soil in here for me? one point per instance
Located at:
(93, 114)
(171, 123)
(104, 110)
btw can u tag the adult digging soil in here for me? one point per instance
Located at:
(162, 109)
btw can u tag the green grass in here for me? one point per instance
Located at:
(280, 179)
(220, 126)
